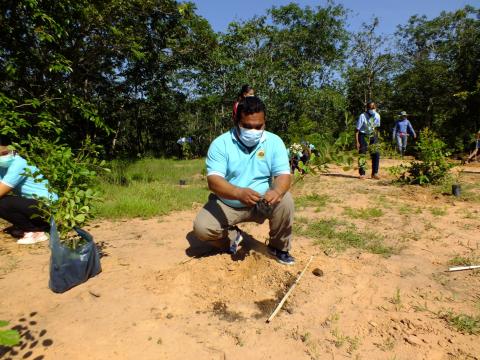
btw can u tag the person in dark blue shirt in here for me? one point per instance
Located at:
(401, 131)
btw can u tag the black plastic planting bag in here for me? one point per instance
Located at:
(71, 267)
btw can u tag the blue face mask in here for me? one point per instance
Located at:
(6, 160)
(250, 137)
(371, 112)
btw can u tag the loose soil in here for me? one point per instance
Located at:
(162, 295)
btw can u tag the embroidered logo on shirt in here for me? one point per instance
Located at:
(261, 154)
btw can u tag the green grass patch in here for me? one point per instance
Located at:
(438, 211)
(382, 201)
(458, 260)
(469, 192)
(150, 187)
(313, 200)
(363, 213)
(301, 220)
(462, 322)
(404, 210)
(397, 300)
(408, 210)
(340, 235)
(467, 214)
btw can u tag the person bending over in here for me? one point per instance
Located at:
(19, 194)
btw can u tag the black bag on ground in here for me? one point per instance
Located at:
(71, 267)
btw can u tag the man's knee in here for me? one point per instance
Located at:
(286, 205)
(204, 230)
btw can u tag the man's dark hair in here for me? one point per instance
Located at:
(250, 105)
(369, 103)
(5, 140)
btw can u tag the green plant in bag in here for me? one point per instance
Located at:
(431, 167)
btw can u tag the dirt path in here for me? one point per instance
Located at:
(154, 301)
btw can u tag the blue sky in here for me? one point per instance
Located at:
(390, 12)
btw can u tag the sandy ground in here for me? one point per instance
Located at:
(155, 300)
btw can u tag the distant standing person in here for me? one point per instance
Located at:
(401, 131)
(245, 91)
(366, 137)
(476, 151)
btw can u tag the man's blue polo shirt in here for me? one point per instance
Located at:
(228, 158)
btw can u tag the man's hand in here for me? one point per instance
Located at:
(272, 197)
(358, 145)
(247, 196)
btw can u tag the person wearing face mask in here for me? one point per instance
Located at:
(245, 91)
(366, 138)
(248, 173)
(19, 194)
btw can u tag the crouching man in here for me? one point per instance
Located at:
(249, 175)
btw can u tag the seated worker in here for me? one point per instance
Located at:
(19, 194)
(249, 176)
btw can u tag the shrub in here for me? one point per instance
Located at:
(431, 165)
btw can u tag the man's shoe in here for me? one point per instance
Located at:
(235, 243)
(32, 238)
(283, 257)
(362, 177)
(376, 177)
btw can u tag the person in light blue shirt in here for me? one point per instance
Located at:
(248, 173)
(20, 194)
(366, 138)
(401, 131)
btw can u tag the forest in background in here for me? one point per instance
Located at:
(132, 77)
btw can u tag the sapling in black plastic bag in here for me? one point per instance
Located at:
(71, 266)
(73, 176)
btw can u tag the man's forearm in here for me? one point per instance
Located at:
(222, 187)
(281, 184)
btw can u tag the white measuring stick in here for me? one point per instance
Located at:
(460, 268)
(279, 306)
